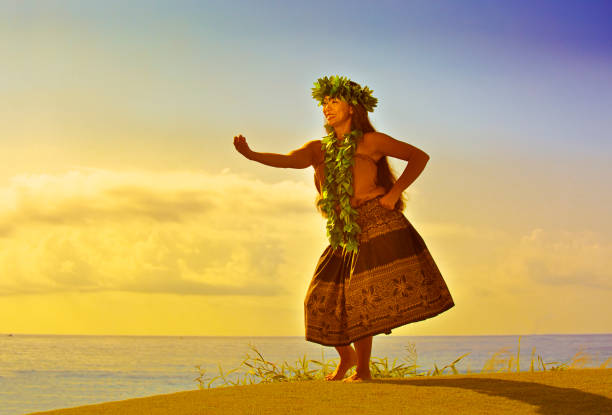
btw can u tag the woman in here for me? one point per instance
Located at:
(377, 273)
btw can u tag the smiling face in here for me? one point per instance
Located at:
(336, 110)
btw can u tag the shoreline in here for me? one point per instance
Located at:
(570, 391)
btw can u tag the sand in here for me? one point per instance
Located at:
(572, 391)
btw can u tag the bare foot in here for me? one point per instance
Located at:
(343, 366)
(358, 377)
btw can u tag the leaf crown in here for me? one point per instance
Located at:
(349, 91)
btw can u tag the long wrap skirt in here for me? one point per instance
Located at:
(390, 281)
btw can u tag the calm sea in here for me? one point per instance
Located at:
(42, 372)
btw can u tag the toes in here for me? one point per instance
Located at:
(353, 378)
(331, 376)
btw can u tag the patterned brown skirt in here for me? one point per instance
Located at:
(390, 281)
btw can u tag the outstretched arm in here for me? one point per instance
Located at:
(296, 159)
(417, 159)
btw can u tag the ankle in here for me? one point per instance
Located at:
(361, 370)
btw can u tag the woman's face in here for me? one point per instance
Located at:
(336, 110)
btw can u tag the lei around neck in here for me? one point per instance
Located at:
(342, 229)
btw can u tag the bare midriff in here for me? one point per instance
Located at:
(365, 187)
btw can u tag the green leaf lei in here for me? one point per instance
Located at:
(342, 229)
(349, 91)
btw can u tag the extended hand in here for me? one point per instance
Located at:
(241, 145)
(388, 201)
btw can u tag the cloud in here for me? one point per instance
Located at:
(187, 233)
(480, 261)
(561, 258)
(197, 233)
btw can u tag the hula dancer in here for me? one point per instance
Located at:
(376, 274)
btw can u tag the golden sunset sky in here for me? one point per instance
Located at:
(125, 209)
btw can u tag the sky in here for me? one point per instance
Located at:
(125, 209)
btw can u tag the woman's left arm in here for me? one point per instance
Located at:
(385, 145)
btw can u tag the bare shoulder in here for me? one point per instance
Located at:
(309, 146)
(370, 144)
(314, 144)
(304, 156)
(317, 153)
(381, 144)
(373, 137)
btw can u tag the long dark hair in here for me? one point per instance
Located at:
(385, 176)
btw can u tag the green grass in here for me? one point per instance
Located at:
(256, 369)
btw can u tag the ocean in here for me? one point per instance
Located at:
(43, 372)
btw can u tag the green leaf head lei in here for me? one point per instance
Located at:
(344, 88)
(342, 229)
